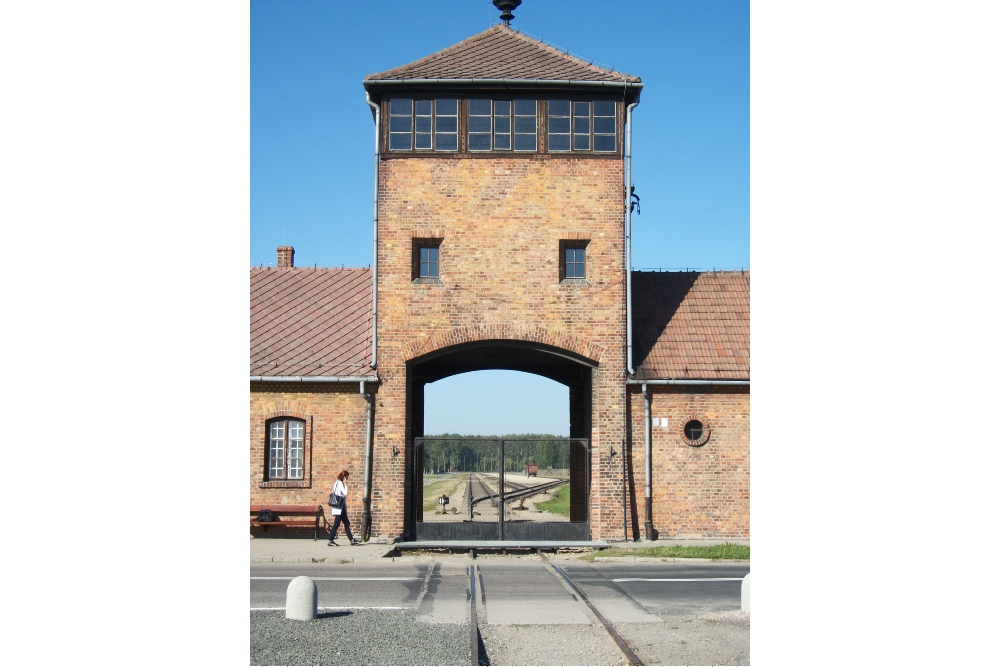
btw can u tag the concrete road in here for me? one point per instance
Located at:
(358, 586)
(659, 588)
(515, 592)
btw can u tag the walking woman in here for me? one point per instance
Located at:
(340, 489)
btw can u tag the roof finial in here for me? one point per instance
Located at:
(506, 6)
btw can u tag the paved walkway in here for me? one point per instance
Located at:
(305, 550)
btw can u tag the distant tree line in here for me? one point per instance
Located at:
(461, 453)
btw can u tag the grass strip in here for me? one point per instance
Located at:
(727, 551)
(559, 503)
(447, 486)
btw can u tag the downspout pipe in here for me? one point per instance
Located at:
(366, 513)
(628, 235)
(376, 110)
(649, 463)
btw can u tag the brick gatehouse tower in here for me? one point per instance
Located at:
(502, 241)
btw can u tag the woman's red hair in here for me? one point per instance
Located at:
(343, 474)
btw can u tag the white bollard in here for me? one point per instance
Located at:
(300, 599)
(745, 594)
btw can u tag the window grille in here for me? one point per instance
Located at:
(582, 126)
(501, 125)
(559, 125)
(423, 125)
(423, 117)
(525, 125)
(428, 263)
(480, 125)
(400, 125)
(575, 263)
(446, 125)
(285, 449)
(605, 123)
(693, 430)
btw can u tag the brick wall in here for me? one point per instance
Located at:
(500, 221)
(697, 491)
(335, 441)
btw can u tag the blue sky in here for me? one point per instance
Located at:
(311, 135)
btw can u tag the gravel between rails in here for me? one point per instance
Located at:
(712, 638)
(550, 645)
(357, 637)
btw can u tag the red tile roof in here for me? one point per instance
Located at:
(310, 322)
(691, 325)
(502, 53)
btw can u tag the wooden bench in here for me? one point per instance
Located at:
(282, 511)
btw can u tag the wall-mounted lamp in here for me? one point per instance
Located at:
(613, 453)
(395, 451)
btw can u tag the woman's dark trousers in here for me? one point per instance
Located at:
(336, 524)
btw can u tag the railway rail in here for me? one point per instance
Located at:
(480, 490)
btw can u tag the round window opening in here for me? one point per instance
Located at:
(695, 433)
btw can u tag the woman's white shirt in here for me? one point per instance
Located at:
(340, 488)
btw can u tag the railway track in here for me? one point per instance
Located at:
(577, 593)
(480, 490)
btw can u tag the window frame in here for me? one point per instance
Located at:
(541, 121)
(417, 245)
(706, 431)
(434, 132)
(269, 480)
(573, 244)
(591, 133)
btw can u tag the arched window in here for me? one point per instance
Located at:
(285, 449)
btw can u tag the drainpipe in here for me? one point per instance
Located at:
(377, 111)
(649, 464)
(366, 513)
(628, 235)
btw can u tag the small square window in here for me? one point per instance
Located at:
(426, 260)
(428, 263)
(573, 260)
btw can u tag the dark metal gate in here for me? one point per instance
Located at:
(494, 489)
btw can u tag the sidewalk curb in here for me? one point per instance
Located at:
(665, 559)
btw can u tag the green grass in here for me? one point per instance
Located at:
(447, 486)
(559, 504)
(727, 550)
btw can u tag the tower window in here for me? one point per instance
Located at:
(582, 126)
(489, 125)
(446, 125)
(426, 260)
(604, 126)
(573, 260)
(423, 117)
(525, 125)
(423, 125)
(400, 125)
(428, 263)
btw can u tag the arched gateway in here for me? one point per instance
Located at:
(489, 480)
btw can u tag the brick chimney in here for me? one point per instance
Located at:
(286, 256)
